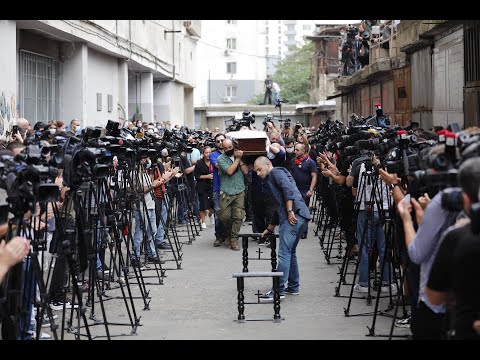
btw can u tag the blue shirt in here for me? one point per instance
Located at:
(260, 187)
(302, 173)
(216, 177)
(424, 246)
(284, 188)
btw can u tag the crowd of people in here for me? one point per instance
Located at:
(275, 190)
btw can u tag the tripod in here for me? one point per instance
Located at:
(20, 282)
(370, 219)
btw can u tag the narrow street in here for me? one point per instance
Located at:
(200, 300)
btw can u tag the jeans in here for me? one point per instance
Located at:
(219, 228)
(137, 237)
(307, 202)
(373, 231)
(277, 97)
(29, 288)
(162, 211)
(287, 253)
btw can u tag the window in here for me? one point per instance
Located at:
(231, 91)
(231, 44)
(231, 67)
(290, 27)
(39, 87)
(290, 38)
(231, 22)
(306, 27)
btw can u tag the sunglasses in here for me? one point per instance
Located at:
(219, 141)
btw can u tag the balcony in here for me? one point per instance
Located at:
(384, 55)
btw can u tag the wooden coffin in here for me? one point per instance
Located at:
(249, 141)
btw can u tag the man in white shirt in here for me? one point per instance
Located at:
(276, 90)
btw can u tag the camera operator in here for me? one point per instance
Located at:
(422, 245)
(145, 217)
(369, 216)
(455, 270)
(339, 173)
(160, 177)
(75, 128)
(232, 186)
(188, 169)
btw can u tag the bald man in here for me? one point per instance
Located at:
(231, 211)
(292, 215)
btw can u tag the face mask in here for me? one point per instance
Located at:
(78, 130)
(150, 131)
(290, 150)
(148, 164)
(52, 131)
(229, 152)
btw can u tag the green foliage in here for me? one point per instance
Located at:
(293, 75)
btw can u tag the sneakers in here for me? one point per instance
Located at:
(46, 320)
(137, 264)
(268, 297)
(289, 291)
(360, 288)
(58, 305)
(403, 323)
(154, 260)
(164, 246)
(217, 242)
(386, 288)
(212, 220)
(234, 245)
(204, 226)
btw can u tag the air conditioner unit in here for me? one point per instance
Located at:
(227, 99)
(227, 53)
(187, 23)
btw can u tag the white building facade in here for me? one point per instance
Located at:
(97, 70)
(231, 64)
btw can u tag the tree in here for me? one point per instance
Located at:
(293, 75)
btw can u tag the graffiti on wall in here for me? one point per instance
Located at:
(8, 112)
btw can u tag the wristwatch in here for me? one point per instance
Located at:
(392, 186)
(290, 210)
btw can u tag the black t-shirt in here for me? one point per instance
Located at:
(456, 268)
(202, 169)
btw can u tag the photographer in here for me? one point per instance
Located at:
(160, 178)
(455, 270)
(422, 245)
(144, 214)
(370, 230)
